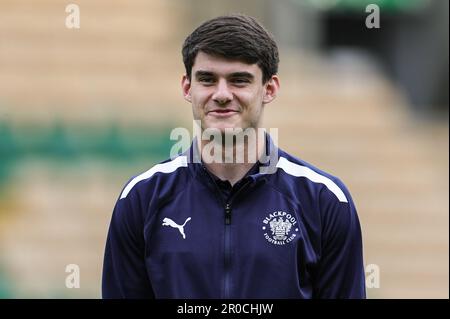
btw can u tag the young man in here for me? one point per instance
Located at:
(224, 228)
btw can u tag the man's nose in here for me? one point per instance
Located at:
(222, 94)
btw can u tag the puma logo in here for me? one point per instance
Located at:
(171, 223)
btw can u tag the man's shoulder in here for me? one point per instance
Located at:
(163, 175)
(298, 172)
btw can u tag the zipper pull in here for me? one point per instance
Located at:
(227, 214)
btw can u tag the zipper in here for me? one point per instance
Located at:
(227, 248)
(227, 234)
(227, 252)
(227, 214)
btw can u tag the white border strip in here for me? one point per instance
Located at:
(303, 171)
(169, 167)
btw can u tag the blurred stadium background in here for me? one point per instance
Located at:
(82, 110)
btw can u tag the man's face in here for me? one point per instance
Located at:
(227, 93)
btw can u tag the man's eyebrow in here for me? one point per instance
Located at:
(243, 74)
(203, 73)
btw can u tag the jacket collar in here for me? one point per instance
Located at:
(267, 163)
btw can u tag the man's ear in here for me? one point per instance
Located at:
(271, 89)
(186, 87)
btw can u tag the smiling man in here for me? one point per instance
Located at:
(223, 228)
(228, 98)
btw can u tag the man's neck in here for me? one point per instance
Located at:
(230, 168)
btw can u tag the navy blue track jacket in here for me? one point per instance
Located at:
(293, 233)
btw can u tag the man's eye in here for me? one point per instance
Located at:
(240, 81)
(206, 80)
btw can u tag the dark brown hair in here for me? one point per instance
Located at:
(235, 37)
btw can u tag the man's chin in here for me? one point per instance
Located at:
(223, 128)
(228, 130)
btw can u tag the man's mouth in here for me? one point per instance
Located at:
(222, 112)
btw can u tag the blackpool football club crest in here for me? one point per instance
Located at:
(280, 228)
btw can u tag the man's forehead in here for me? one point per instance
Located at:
(220, 65)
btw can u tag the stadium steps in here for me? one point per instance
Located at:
(113, 64)
(68, 225)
